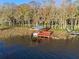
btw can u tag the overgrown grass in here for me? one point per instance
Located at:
(5, 27)
(8, 31)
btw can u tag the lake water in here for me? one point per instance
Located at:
(55, 49)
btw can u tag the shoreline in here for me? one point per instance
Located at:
(24, 31)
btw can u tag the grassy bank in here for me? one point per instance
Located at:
(23, 31)
(18, 32)
(15, 31)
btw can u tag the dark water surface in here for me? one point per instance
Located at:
(55, 49)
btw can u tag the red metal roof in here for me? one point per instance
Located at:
(44, 33)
